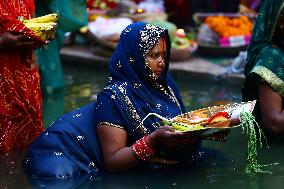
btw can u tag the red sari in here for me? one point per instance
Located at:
(20, 95)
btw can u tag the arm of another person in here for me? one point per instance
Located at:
(119, 157)
(10, 41)
(271, 109)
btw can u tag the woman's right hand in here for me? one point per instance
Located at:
(11, 41)
(166, 136)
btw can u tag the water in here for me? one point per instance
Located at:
(222, 167)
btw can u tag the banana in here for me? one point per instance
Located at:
(182, 126)
(44, 35)
(44, 26)
(43, 19)
(41, 26)
(45, 31)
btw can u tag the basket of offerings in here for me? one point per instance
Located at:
(183, 52)
(200, 17)
(225, 34)
(217, 50)
(182, 47)
(207, 121)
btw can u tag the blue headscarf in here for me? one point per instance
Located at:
(133, 91)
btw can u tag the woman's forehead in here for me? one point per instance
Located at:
(160, 45)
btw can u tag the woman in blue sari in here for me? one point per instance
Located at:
(109, 135)
(140, 84)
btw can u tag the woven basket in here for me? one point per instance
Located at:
(179, 54)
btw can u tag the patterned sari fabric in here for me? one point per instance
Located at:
(133, 91)
(67, 148)
(20, 97)
(70, 146)
(265, 60)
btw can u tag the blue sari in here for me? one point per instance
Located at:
(133, 91)
(67, 148)
(70, 146)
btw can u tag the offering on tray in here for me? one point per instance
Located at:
(182, 47)
(226, 30)
(210, 120)
(43, 27)
(228, 27)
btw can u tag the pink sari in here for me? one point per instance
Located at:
(20, 95)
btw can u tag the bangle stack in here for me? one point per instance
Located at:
(142, 150)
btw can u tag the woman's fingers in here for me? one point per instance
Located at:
(20, 38)
(166, 135)
(167, 128)
(30, 44)
(16, 41)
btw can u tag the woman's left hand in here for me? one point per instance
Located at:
(165, 136)
(15, 41)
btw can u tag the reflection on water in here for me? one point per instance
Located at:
(224, 169)
(82, 86)
(52, 108)
(198, 174)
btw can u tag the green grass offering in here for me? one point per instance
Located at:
(255, 138)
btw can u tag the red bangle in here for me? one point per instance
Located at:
(142, 149)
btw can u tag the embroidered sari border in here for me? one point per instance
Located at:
(111, 124)
(271, 78)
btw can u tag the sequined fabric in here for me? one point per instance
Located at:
(11, 11)
(20, 96)
(67, 148)
(265, 60)
(133, 91)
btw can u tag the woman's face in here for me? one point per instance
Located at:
(156, 57)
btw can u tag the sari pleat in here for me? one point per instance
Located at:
(20, 95)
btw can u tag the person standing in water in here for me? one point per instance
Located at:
(20, 95)
(108, 135)
(264, 69)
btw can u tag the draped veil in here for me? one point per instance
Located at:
(133, 91)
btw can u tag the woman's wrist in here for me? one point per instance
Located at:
(142, 149)
(150, 141)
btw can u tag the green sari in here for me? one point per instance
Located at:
(73, 15)
(265, 61)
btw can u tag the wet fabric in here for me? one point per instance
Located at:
(133, 91)
(72, 16)
(67, 148)
(265, 60)
(20, 95)
(70, 146)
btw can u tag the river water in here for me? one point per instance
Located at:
(222, 166)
